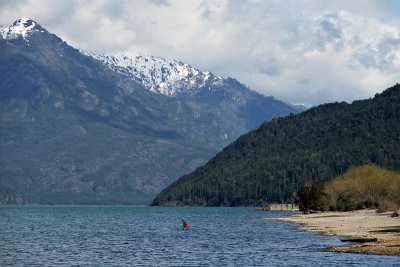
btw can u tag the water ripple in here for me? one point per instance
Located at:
(151, 236)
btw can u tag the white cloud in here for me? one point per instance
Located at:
(300, 51)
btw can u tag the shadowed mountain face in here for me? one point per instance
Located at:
(75, 131)
(272, 162)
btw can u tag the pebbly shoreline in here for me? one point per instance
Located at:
(367, 224)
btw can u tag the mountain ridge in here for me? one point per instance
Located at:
(68, 95)
(73, 131)
(168, 77)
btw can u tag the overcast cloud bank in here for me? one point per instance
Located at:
(308, 52)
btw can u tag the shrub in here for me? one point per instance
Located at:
(387, 205)
(366, 186)
(361, 187)
(312, 196)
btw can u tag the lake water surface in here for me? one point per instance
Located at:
(152, 236)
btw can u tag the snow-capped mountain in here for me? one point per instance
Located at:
(80, 131)
(22, 27)
(168, 77)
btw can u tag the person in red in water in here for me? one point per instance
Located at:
(185, 225)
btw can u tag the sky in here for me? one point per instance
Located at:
(300, 51)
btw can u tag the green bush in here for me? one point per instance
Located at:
(367, 186)
(313, 196)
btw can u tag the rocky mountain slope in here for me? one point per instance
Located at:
(168, 77)
(235, 107)
(73, 130)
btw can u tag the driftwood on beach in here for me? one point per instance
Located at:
(359, 239)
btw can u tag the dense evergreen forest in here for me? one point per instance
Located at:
(272, 162)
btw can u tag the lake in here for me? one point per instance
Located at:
(152, 236)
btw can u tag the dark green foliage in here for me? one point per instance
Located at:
(348, 201)
(312, 196)
(272, 162)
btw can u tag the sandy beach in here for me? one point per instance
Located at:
(363, 223)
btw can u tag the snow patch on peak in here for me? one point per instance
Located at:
(22, 27)
(168, 77)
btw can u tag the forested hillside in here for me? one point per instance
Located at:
(272, 162)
